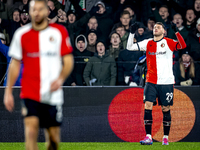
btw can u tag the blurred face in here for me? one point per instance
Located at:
(51, 5)
(190, 16)
(115, 39)
(38, 12)
(121, 31)
(158, 30)
(140, 31)
(92, 37)
(185, 58)
(125, 19)
(130, 11)
(164, 13)
(71, 18)
(198, 27)
(3, 41)
(178, 20)
(101, 9)
(63, 17)
(150, 25)
(100, 48)
(92, 24)
(81, 46)
(24, 1)
(16, 16)
(197, 5)
(24, 17)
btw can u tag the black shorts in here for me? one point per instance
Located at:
(48, 115)
(164, 93)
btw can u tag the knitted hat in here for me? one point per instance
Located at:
(100, 3)
(2, 36)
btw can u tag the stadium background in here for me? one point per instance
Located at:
(110, 114)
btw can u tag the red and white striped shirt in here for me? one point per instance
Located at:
(159, 56)
(41, 53)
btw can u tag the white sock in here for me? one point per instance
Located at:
(165, 136)
(149, 135)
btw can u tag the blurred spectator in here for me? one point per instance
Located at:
(24, 16)
(104, 20)
(16, 15)
(190, 19)
(71, 16)
(150, 24)
(24, 2)
(5, 11)
(124, 20)
(3, 60)
(81, 56)
(186, 72)
(197, 8)
(193, 42)
(120, 29)
(92, 23)
(4, 51)
(133, 16)
(53, 9)
(115, 48)
(142, 33)
(126, 64)
(161, 15)
(101, 68)
(177, 19)
(92, 36)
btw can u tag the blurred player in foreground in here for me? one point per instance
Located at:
(45, 51)
(159, 78)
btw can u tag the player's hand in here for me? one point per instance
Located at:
(55, 85)
(8, 101)
(173, 25)
(134, 27)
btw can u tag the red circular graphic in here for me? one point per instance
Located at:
(126, 113)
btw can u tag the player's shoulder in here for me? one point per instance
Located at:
(57, 26)
(169, 39)
(24, 29)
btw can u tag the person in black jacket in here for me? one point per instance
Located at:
(81, 56)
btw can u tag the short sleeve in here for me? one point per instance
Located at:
(66, 47)
(15, 49)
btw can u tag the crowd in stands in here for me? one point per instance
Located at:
(99, 37)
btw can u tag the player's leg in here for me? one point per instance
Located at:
(31, 127)
(166, 123)
(52, 136)
(149, 99)
(165, 99)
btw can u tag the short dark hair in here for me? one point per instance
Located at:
(125, 12)
(45, 2)
(160, 23)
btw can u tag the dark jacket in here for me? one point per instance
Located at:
(103, 69)
(126, 64)
(114, 52)
(184, 33)
(193, 45)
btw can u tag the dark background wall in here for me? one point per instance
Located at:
(88, 115)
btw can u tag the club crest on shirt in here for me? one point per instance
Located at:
(51, 39)
(162, 45)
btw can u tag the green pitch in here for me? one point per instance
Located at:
(109, 146)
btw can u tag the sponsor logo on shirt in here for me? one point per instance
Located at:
(157, 53)
(37, 54)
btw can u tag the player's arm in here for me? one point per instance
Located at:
(13, 73)
(181, 42)
(68, 63)
(141, 46)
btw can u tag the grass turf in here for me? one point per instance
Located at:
(109, 146)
